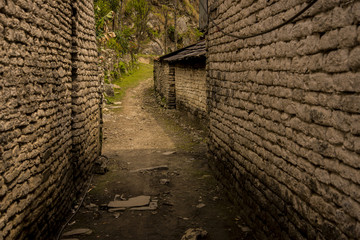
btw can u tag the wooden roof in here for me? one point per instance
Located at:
(196, 50)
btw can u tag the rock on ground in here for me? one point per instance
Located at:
(194, 234)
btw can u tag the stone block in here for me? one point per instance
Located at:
(338, 61)
(37, 96)
(355, 10)
(334, 136)
(322, 175)
(324, 103)
(354, 59)
(355, 125)
(347, 36)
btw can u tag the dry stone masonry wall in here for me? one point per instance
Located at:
(284, 111)
(190, 87)
(164, 82)
(49, 112)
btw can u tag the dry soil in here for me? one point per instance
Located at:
(138, 133)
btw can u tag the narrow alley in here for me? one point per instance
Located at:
(154, 152)
(262, 107)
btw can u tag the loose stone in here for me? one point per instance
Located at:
(78, 231)
(194, 234)
(132, 202)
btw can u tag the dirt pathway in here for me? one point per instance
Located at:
(138, 134)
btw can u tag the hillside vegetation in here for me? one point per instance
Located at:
(126, 29)
(147, 26)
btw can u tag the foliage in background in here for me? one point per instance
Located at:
(126, 29)
(136, 23)
(138, 11)
(116, 37)
(143, 71)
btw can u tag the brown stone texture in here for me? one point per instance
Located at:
(182, 84)
(190, 88)
(284, 112)
(49, 112)
(164, 82)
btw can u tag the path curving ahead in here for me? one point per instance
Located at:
(138, 135)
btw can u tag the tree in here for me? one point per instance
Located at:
(175, 19)
(103, 17)
(114, 5)
(139, 11)
(165, 12)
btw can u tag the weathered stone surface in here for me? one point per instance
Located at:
(152, 206)
(200, 205)
(154, 48)
(49, 112)
(131, 202)
(354, 59)
(100, 165)
(116, 209)
(168, 153)
(109, 90)
(284, 116)
(194, 234)
(162, 167)
(92, 206)
(181, 23)
(164, 181)
(182, 84)
(78, 231)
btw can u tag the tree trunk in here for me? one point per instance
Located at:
(175, 18)
(114, 22)
(119, 14)
(166, 31)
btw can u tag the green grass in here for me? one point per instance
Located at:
(144, 71)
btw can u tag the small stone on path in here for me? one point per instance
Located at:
(71, 223)
(116, 209)
(162, 167)
(152, 206)
(168, 153)
(194, 234)
(201, 205)
(244, 228)
(100, 166)
(78, 231)
(114, 107)
(119, 197)
(132, 202)
(164, 181)
(91, 206)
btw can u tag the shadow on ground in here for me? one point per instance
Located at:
(139, 134)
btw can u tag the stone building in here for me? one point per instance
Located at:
(49, 112)
(284, 112)
(180, 79)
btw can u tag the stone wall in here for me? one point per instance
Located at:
(190, 87)
(49, 112)
(182, 84)
(284, 111)
(164, 83)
